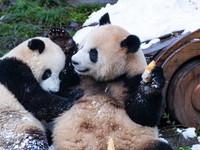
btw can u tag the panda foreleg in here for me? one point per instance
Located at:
(53, 105)
(158, 145)
(144, 105)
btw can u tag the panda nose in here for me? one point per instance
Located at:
(74, 62)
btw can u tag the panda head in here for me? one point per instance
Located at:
(45, 58)
(109, 51)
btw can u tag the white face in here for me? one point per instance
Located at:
(83, 63)
(100, 54)
(51, 82)
(46, 66)
(52, 61)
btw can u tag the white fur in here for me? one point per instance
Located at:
(95, 118)
(52, 58)
(112, 58)
(16, 123)
(52, 83)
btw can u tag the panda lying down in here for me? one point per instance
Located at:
(116, 102)
(33, 64)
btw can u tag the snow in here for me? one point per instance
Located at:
(196, 147)
(163, 140)
(189, 133)
(179, 130)
(153, 41)
(149, 19)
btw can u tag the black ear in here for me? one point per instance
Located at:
(132, 42)
(105, 19)
(36, 44)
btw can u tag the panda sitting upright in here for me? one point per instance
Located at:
(116, 102)
(25, 72)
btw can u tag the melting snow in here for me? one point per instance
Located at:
(163, 140)
(196, 147)
(149, 18)
(187, 133)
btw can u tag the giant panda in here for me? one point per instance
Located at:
(69, 79)
(116, 102)
(28, 75)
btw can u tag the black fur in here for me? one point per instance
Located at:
(69, 78)
(46, 74)
(105, 19)
(144, 106)
(132, 42)
(36, 44)
(37, 139)
(158, 145)
(93, 55)
(19, 79)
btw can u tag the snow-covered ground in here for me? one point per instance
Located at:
(189, 133)
(150, 19)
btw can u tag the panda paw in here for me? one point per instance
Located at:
(58, 34)
(76, 94)
(157, 78)
(62, 38)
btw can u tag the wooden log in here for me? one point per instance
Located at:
(181, 65)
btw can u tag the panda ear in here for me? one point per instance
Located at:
(132, 42)
(36, 44)
(105, 19)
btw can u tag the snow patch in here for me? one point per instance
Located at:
(189, 133)
(153, 41)
(151, 18)
(179, 130)
(163, 140)
(196, 147)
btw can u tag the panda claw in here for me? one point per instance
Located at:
(62, 38)
(157, 77)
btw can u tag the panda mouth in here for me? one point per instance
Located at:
(82, 71)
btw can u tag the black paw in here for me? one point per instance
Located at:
(62, 38)
(58, 34)
(76, 94)
(158, 80)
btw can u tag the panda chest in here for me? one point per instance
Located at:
(98, 114)
(111, 94)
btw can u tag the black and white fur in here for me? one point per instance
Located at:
(116, 102)
(33, 64)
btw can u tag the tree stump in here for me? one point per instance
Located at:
(180, 61)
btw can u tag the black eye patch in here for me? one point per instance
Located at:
(46, 74)
(61, 75)
(93, 55)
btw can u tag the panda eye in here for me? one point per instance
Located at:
(46, 74)
(93, 55)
